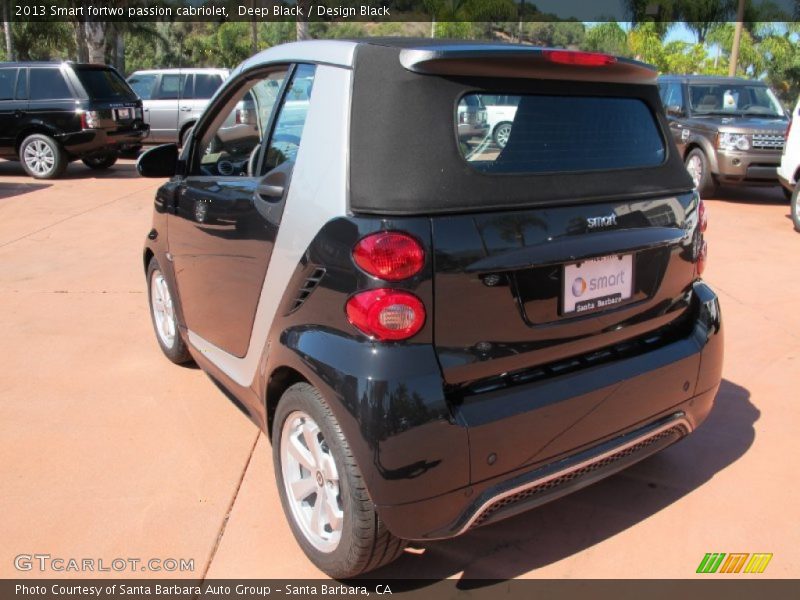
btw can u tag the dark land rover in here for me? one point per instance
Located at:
(729, 131)
(52, 113)
(436, 336)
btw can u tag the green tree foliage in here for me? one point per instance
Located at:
(607, 37)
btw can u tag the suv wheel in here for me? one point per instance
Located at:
(795, 207)
(698, 167)
(101, 161)
(162, 312)
(42, 157)
(501, 133)
(322, 490)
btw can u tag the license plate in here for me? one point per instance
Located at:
(597, 283)
(124, 113)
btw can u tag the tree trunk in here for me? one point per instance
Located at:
(7, 31)
(80, 41)
(737, 36)
(96, 41)
(301, 29)
(119, 62)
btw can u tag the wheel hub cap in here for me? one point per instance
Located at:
(163, 312)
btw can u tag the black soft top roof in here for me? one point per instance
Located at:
(404, 154)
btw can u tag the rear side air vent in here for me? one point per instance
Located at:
(309, 285)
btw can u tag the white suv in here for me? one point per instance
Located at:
(789, 171)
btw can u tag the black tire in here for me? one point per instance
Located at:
(365, 543)
(706, 184)
(787, 193)
(101, 161)
(42, 157)
(174, 349)
(795, 208)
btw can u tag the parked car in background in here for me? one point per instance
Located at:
(174, 99)
(436, 337)
(789, 171)
(471, 119)
(500, 113)
(52, 113)
(728, 130)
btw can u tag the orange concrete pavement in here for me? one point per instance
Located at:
(108, 451)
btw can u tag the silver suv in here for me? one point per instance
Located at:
(174, 99)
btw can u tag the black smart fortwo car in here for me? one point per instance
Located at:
(52, 113)
(436, 334)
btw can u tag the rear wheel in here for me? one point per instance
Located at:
(795, 207)
(698, 167)
(42, 157)
(101, 161)
(501, 133)
(322, 490)
(162, 313)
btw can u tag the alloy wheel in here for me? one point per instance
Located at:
(695, 167)
(39, 157)
(311, 482)
(502, 134)
(163, 311)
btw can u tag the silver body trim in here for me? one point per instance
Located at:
(317, 193)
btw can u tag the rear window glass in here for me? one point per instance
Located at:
(105, 84)
(48, 84)
(548, 134)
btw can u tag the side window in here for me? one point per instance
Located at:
(8, 79)
(205, 85)
(188, 88)
(170, 86)
(48, 84)
(143, 85)
(285, 140)
(22, 85)
(233, 142)
(675, 94)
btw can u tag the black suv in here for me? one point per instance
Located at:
(435, 335)
(52, 113)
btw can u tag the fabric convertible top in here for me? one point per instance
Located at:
(405, 159)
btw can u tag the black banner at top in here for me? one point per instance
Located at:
(634, 11)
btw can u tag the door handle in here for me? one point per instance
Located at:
(146, 110)
(186, 108)
(270, 190)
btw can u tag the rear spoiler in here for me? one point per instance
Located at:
(506, 60)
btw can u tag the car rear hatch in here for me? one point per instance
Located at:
(114, 105)
(571, 247)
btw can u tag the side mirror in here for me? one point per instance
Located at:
(674, 110)
(161, 161)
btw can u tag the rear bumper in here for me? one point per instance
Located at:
(94, 141)
(643, 409)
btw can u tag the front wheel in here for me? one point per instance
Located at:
(699, 168)
(795, 207)
(101, 161)
(42, 157)
(322, 489)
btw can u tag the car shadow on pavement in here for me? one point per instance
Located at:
(751, 195)
(572, 524)
(125, 169)
(7, 190)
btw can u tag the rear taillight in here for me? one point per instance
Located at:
(582, 59)
(386, 314)
(702, 218)
(90, 119)
(389, 255)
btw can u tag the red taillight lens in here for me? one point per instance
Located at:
(389, 255)
(702, 257)
(386, 314)
(583, 59)
(702, 218)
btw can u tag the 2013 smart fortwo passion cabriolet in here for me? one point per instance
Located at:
(436, 333)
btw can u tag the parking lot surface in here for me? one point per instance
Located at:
(110, 451)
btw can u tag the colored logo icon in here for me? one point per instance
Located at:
(578, 287)
(742, 562)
